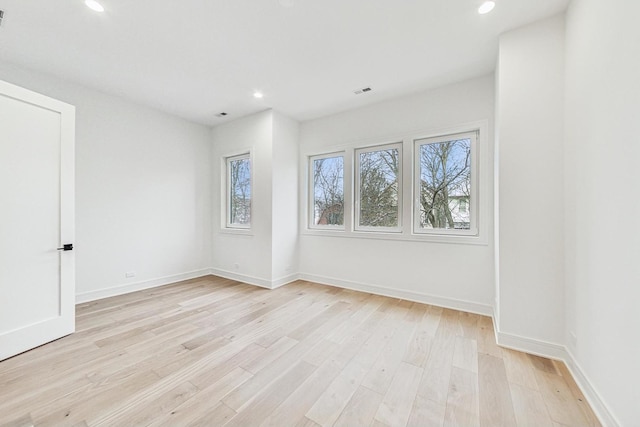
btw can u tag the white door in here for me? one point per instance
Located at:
(37, 281)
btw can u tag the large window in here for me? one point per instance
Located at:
(444, 185)
(238, 191)
(427, 186)
(327, 191)
(378, 193)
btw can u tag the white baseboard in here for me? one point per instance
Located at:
(530, 345)
(560, 352)
(252, 280)
(138, 286)
(455, 304)
(601, 409)
(276, 283)
(244, 278)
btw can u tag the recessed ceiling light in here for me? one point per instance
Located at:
(94, 5)
(258, 94)
(486, 7)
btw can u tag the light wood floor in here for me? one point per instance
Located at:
(215, 352)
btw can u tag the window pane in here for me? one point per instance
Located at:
(379, 188)
(328, 191)
(445, 184)
(239, 191)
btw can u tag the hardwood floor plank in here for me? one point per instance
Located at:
(530, 409)
(542, 364)
(465, 354)
(579, 398)
(268, 399)
(420, 344)
(218, 415)
(396, 405)
(337, 394)
(384, 368)
(212, 374)
(496, 407)
(205, 405)
(519, 369)
(85, 404)
(561, 403)
(469, 324)
(437, 370)
(271, 373)
(213, 351)
(360, 410)
(486, 338)
(426, 413)
(301, 400)
(306, 422)
(153, 408)
(463, 399)
(24, 421)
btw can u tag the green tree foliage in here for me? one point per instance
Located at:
(445, 182)
(379, 188)
(240, 189)
(328, 188)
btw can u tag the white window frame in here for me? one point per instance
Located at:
(311, 192)
(472, 207)
(227, 191)
(356, 188)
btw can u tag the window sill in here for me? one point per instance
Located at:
(407, 237)
(236, 231)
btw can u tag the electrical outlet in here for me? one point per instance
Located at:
(129, 274)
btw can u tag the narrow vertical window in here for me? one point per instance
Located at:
(378, 198)
(445, 184)
(239, 191)
(327, 189)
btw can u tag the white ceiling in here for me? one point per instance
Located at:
(196, 58)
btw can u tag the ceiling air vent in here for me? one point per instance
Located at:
(1, 16)
(363, 90)
(221, 114)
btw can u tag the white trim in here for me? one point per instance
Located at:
(285, 280)
(256, 281)
(138, 286)
(456, 304)
(408, 237)
(244, 278)
(530, 345)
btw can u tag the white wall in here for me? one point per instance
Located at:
(266, 254)
(602, 204)
(142, 189)
(285, 197)
(245, 255)
(530, 175)
(448, 274)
